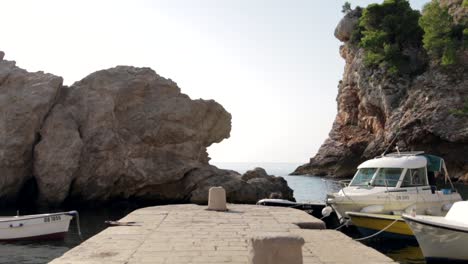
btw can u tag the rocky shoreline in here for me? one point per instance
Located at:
(120, 133)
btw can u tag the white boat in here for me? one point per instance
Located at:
(313, 208)
(442, 239)
(38, 226)
(394, 184)
(393, 225)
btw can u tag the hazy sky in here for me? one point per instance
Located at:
(273, 64)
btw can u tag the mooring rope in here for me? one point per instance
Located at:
(378, 232)
(344, 224)
(78, 225)
(77, 220)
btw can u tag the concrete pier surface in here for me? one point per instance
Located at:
(191, 234)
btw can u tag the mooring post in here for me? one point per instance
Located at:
(275, 249)
(217, 199)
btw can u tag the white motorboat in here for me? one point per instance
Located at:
(393, 184)
(38, 226)
(442, 239)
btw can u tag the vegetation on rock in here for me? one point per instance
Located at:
(386, 30)
(346, 8)
(442, 37)
(461, 112)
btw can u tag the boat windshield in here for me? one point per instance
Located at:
(387, 177)
(363, 177)
(415, 177)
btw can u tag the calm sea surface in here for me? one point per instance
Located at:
(306, 188)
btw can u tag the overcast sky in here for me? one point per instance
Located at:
(273, 64)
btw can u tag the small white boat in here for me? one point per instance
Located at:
(38, 226)
(442, 239)
(313, 208)
(394, 184)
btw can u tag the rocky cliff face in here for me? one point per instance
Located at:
(374, 107)
(122, 133)
(25, 100)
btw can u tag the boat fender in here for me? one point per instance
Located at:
(326, 211)
(446, 207)
(372, 209)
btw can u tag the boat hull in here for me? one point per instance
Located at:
(423, 203)
(46, 226)
(369, 224)
(314, 209)
(439, 243)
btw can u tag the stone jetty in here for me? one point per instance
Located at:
(192, 234)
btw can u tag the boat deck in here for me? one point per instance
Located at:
(192, 234)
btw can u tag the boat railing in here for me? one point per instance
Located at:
(403, 153)
(334, 186)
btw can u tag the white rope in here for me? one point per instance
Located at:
(373, 235)
(77, 218)
(344, 224)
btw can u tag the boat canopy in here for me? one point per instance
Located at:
(409, 162)
(406, 160)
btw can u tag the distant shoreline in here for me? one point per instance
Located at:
(272, 168)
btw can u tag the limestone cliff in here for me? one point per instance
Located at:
(375, 106)
(25, 100)
(124, 133)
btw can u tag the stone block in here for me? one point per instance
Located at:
(275, 249)
(217, 199)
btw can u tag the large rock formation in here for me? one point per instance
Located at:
(25, 100)
(245, 188)
(374, 107)
(118, 134)
(347, 24)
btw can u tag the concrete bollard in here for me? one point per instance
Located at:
(275, 249)
(217, 199)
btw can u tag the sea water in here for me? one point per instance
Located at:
(306, 188)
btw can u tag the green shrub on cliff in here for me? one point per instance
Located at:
(442, 37)
(385, 30)
(465, 38)
(462, 111)
(346, 8)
